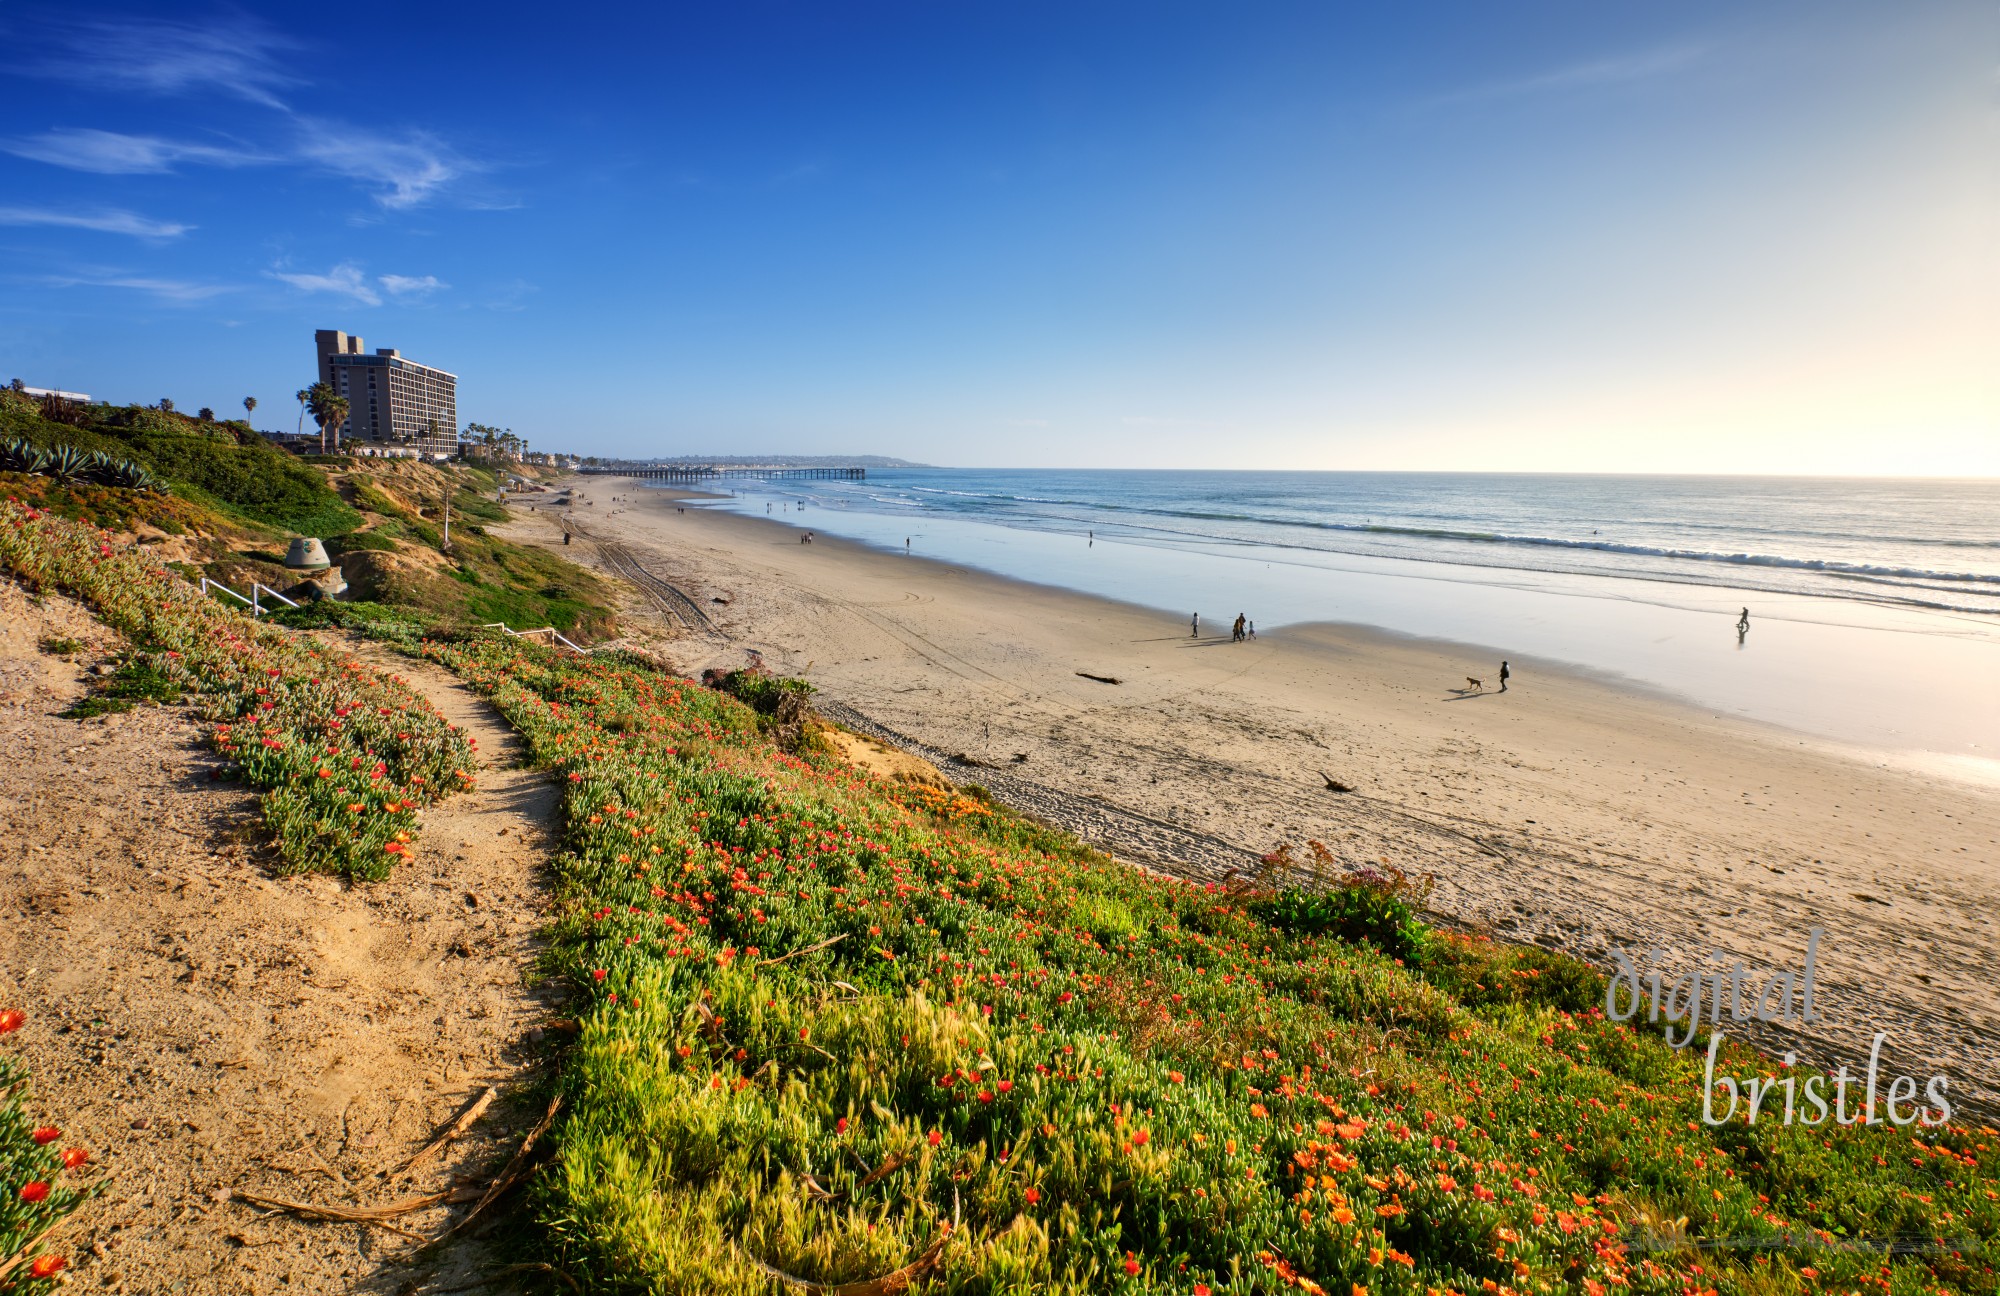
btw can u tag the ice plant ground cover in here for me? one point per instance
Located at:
(343, 753)
(38, 1169)
(844, 1029)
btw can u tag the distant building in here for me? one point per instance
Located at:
(81, 398)
(391, 402)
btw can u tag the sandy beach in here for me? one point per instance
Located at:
(1568, 810)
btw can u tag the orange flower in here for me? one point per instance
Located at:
(47, 1134)
(48, 1266)
(11, 1019)
(35, 1192)
(74, 1157)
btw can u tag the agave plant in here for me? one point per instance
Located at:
(17, 455)
(69, 464)
(66, 463)
(123, 473)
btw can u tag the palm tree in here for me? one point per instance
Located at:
(305, 396)
(329, 411)
(249, 406)
(338, 406)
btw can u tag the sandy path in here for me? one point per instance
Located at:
(1569, 811)
(203, 1026)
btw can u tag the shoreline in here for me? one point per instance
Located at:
(1575, 811)
(1857, 672)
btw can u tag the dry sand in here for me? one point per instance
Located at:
(1569, 810)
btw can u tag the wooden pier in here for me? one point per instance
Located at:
(708, 472)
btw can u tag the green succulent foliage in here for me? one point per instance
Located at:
(71, 464)
(1351, 912)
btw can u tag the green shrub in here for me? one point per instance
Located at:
(1349, 911)
(137, 679)
(375, 540)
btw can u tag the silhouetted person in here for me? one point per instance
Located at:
(1743, 622)
(1504, 672)
(1250, 631)
(1236, 631)
(1194, 626)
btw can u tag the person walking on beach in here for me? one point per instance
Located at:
(1504, 673)
(1250, 631)
(1236, 631)
(1194, 626)
(1743, 622)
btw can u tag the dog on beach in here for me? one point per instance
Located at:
(1474, 685)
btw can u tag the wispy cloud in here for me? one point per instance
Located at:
(236, 55)
(177, 290)
(103, 220)
(110, 153)
(405, 286)
(1591, 74)
(343, 280)
(405, 170)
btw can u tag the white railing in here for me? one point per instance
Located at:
(255, 602)
(550, 631)
(258, 589)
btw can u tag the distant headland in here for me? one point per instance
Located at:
(765, 461)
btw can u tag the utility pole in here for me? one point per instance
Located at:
(446, 546)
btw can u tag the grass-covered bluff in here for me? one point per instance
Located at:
(342, 753)
(841, 1029)
(232, 500)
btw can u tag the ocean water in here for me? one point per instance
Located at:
(1875, 604)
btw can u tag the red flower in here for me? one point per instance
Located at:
(48, 1266)
(1033, 1195)
(840, 1126)
(1064, 997)
(1201, 1289)
(597, 974)
(47, 1134)
(1131, 1266)
(74, 1157)
(1005, 1086)
(11, 1019)
(933, 1138)
(986, 1095)
(35, 1192)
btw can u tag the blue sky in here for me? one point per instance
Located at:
(1692, 237)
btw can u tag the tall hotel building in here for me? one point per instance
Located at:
(390, 400)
